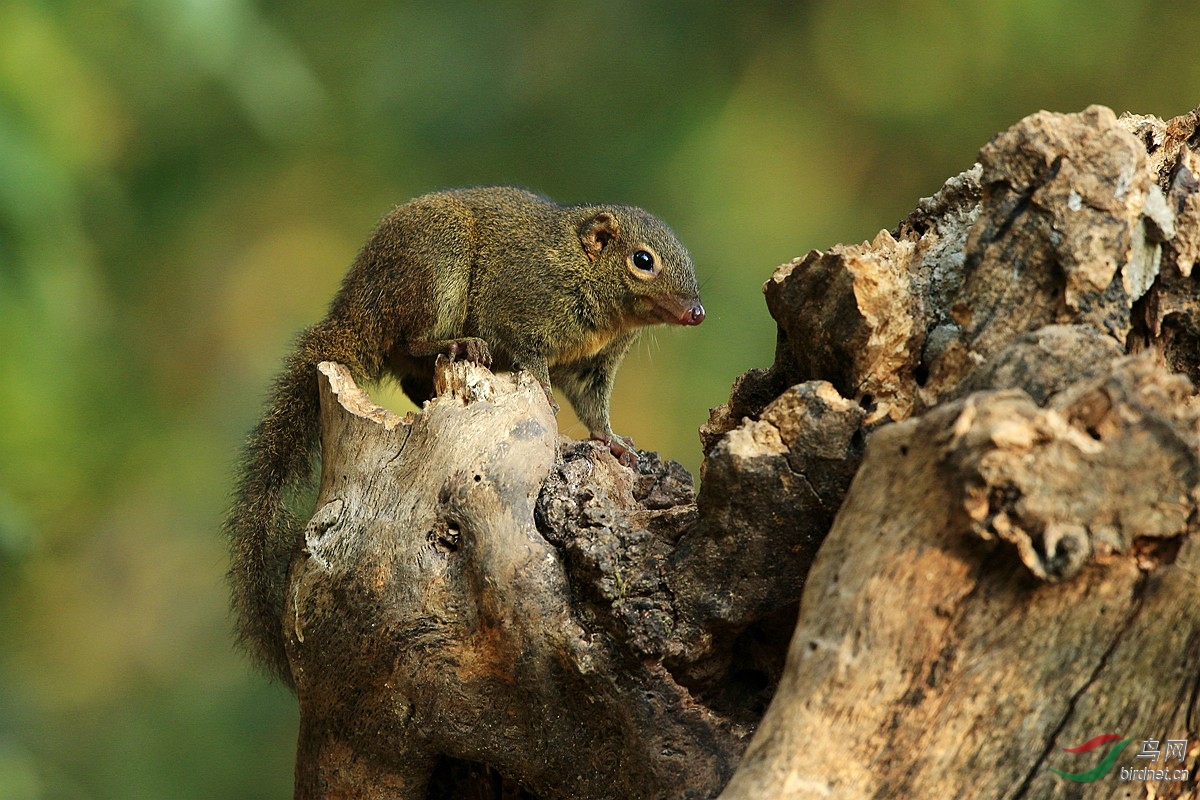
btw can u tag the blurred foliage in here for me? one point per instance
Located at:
(182, 184)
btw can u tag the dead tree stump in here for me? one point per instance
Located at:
(965, 493)
(430, 618)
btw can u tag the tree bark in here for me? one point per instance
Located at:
(948, 534)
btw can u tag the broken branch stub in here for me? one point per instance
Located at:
(428, 618)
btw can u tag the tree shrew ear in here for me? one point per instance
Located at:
(597, 232)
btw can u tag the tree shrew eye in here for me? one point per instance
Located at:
(643, 260)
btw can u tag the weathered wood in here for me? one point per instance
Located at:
(429, 617)
(928, 661)
(1014, 571)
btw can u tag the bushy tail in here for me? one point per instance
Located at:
(278, 458)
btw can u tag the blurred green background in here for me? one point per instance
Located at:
(183, 183)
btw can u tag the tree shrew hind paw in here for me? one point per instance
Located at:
(622, 449)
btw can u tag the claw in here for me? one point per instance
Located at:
(550, 399)
(473, 350)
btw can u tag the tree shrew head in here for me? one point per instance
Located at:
(653, 266)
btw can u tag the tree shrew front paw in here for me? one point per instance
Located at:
(471, 349)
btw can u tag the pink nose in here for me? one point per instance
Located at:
(694, 315)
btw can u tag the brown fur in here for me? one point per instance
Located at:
(488, 274)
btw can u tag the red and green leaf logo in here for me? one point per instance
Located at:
(1101, 769)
